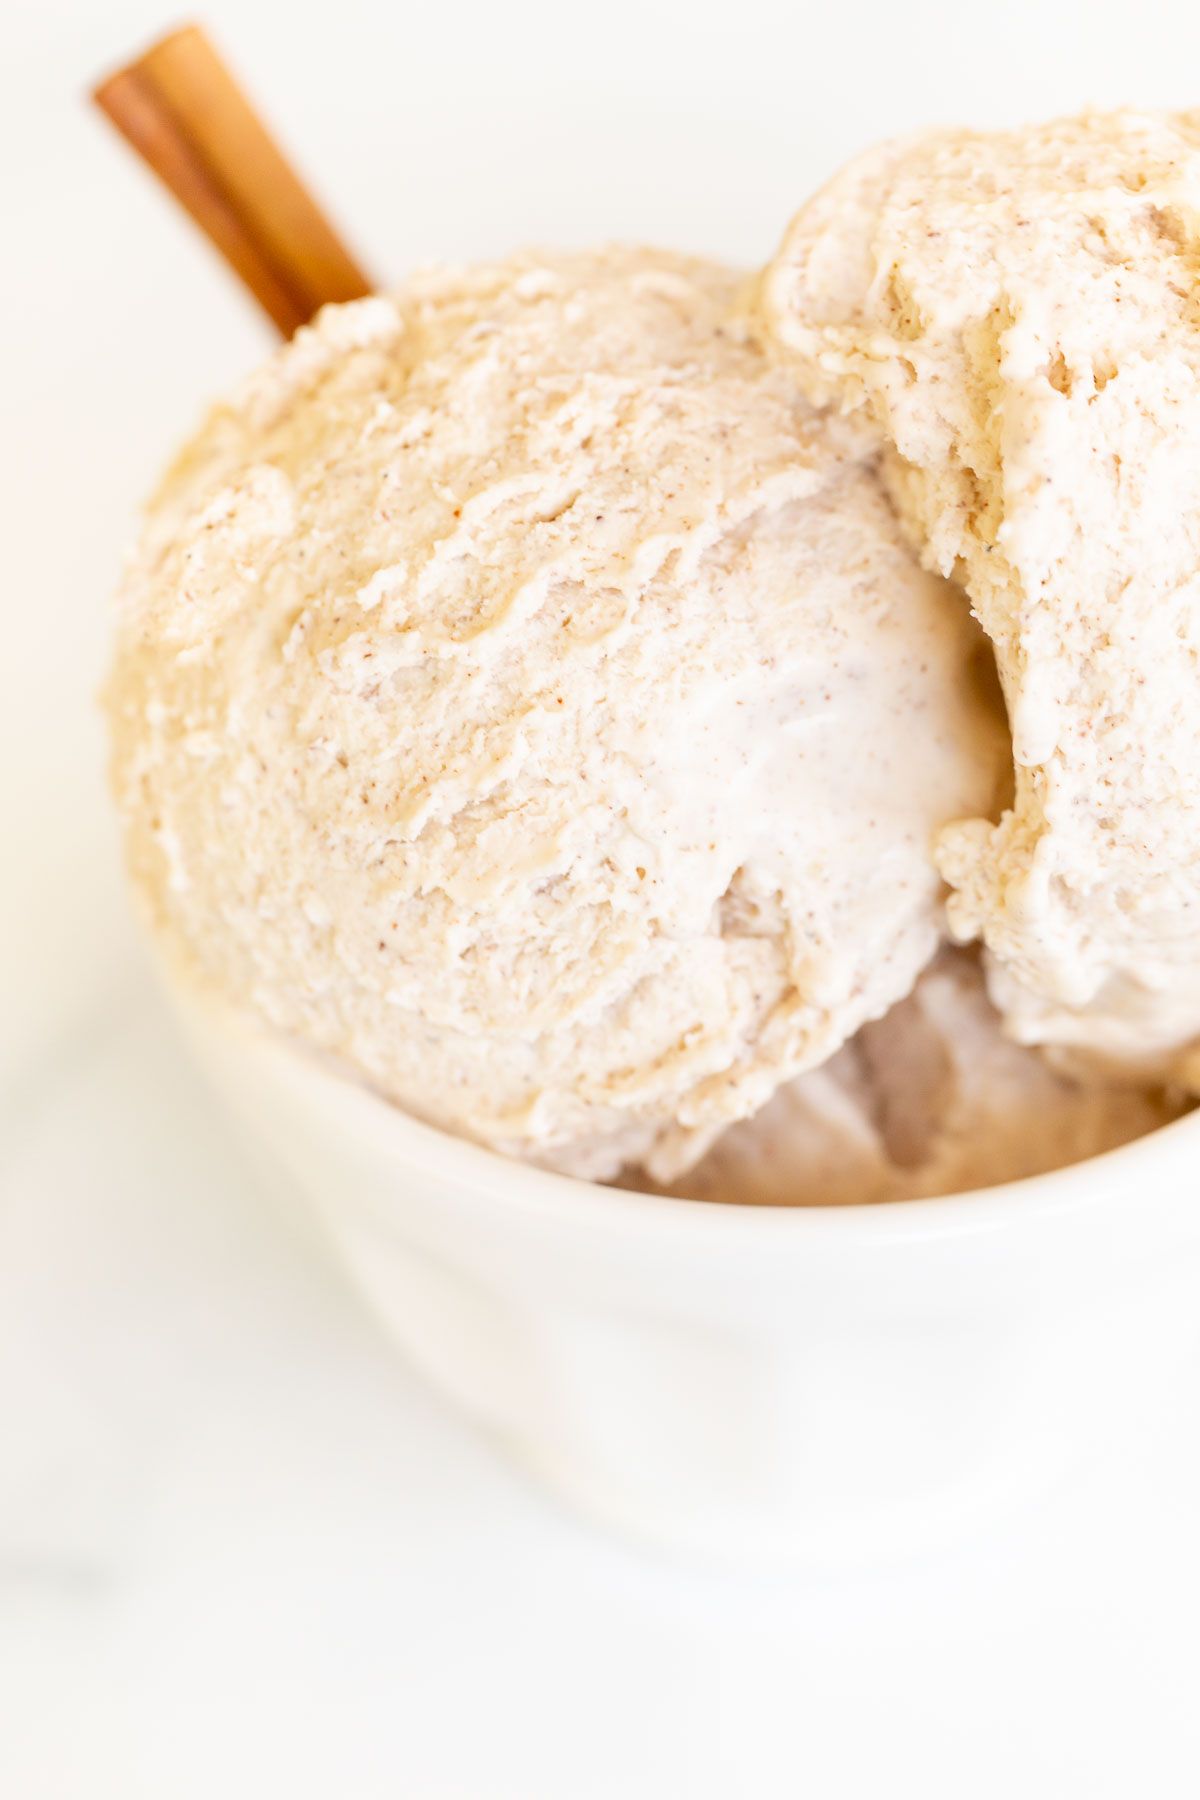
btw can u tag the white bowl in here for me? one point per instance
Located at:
(754, 1383)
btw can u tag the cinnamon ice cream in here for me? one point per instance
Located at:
(1017, 317)
(523, 696)
(932, 1099)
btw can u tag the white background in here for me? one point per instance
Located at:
(242, 1552)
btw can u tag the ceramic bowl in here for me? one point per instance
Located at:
(756, 1384)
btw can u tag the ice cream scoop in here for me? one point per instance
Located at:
(1016, 316)
(522, 696)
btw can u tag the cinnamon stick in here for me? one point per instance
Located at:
(185, 115)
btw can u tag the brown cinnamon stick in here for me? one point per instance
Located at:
(186, 116)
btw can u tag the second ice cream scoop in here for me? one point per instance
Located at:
(1016, 315)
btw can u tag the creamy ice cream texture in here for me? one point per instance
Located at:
(525, 693)
(522, 695)
(1017, 317)
(932, 1099)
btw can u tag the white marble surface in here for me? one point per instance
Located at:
(241, 1550)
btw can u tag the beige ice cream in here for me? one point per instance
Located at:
(1018, 317)
(520, 695)
(933, 1099)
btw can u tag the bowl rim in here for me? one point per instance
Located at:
(1128, 1170)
